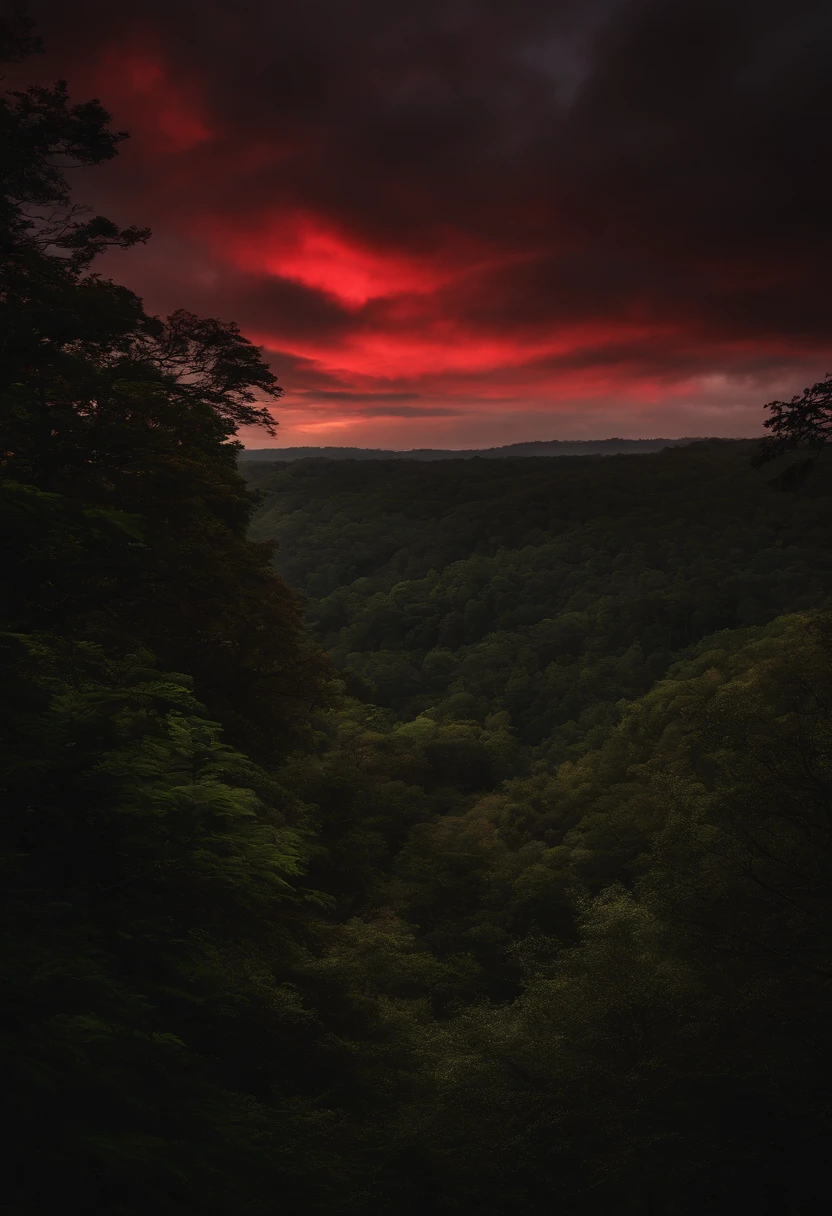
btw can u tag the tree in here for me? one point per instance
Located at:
(154, 1045)
(803, 422)
(71, 334)
(121, 411)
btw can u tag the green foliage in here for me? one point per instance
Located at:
(669, 1059)
(587, 762)
(138, 849)
(547, 592)
(154, 906)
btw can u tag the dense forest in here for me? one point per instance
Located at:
(390, 837)
(539, 447)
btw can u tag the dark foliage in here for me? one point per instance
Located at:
(803, 422)
(152, 918)
(584, 764)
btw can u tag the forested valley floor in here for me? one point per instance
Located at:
(475, 860)
(574, 805)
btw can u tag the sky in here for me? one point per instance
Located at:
(462, 223)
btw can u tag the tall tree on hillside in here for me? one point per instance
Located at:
(126, 411)
(150, 1036)
(804, 422)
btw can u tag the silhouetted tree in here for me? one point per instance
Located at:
(803, 422)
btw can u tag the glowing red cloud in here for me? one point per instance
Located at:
(447, 347)
(413, 332)
(317, 251)
(304, 250)
(411, 219)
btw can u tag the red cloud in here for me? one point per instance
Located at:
(312, 251)
(504, 223)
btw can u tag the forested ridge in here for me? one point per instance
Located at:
(538, 447)
(550, 593)
(476, 859)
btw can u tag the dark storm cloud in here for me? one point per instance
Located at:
(490, 171)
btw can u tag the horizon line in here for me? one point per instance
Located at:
(517, 443)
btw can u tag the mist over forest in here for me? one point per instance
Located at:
(391, 833)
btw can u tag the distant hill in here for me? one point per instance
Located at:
(538, 447)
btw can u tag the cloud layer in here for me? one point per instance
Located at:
(473, 221)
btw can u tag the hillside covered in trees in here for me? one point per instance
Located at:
(476, 859)
(548, 593)
(583, 763)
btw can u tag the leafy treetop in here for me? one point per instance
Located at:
(52, 310)
(803, 422)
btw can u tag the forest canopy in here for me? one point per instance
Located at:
(584, 759)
